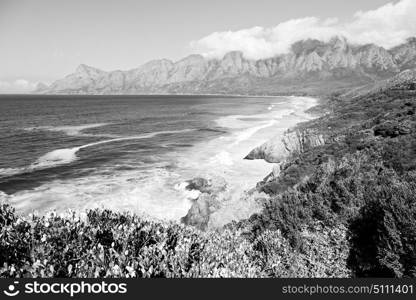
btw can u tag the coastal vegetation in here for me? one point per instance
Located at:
(363, 177)
(109, 244)
(344, 208)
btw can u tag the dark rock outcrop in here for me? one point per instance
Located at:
(200, 211)
(207, 202)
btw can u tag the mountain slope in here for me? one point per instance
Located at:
(310, 65)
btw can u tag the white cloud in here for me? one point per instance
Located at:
(17, 86)
(386, 26)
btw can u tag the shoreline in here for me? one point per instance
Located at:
(256, 170)
(211, 208)
(277, 149)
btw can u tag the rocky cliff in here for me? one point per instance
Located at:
(277, 150)
(310, 65)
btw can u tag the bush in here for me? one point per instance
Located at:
(14, 237)
(324, 253)
(109, 244)
(383, 235)
(332, 195)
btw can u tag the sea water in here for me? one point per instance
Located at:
(134, 153)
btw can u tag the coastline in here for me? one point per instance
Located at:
(297, 234)
(220, 160)
(214, 206)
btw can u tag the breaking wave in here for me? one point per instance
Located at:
(154, 183)
(69, 130)
(65, 156)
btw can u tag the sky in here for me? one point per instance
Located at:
(44, 40)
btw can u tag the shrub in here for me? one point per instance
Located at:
(14, 238)
(332, 195)
(324, 253)
(109, 244)
(383, 235)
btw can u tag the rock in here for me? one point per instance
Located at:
(200, 184)
(206, 203)
(301, 140)
(216, 210)
(212, 185)
(217, 205)
(272, 151)
(277, 149)
(200, 211)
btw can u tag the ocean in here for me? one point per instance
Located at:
(133, 153)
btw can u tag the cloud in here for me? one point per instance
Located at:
(386, 26)
(17, 86)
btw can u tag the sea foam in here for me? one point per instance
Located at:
(69, 130)
(65, 156)
(160, 190)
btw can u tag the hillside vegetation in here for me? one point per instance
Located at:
(363, 177)
(344, 208)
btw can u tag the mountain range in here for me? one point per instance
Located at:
(311, 66)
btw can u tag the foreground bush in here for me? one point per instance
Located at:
(324, 253)
(108, 244)
(383, 235)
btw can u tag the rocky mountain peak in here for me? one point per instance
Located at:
(233, 57)
(309, 60)
(192, 58)
(305, 47)
(405, 54)
(86, 70)
(339, 43)
(157, 63)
